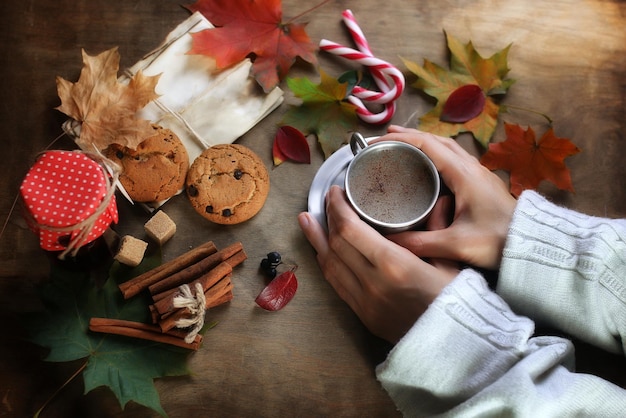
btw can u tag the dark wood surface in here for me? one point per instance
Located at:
(314, 358)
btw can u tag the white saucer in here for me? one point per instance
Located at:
(332, 172)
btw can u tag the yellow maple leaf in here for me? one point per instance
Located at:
(467, 68)
(106, 108)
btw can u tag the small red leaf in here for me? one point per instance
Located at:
(277, 154)
(278, 292)
(465, 103)
(292, 144)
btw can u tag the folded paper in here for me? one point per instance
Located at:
(204, 106)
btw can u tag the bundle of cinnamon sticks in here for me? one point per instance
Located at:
(203, 268)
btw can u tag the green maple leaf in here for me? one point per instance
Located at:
(467, 67)
(126, 365)
(324, 111)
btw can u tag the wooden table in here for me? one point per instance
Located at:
(313, 358)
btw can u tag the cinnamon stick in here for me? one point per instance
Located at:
(143, 281)
(168, 322)
(193, 271)
(154, 315)
(221, 288)
(236, 259)
(164, 300)
(215, 296)
(142, 331)
(226, 297)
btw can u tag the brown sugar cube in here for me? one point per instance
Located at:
(131, 251)
(160, 227)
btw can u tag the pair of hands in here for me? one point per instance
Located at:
(386, 280)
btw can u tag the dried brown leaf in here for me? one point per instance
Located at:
(106, 108)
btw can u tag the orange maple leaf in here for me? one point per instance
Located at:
(529, 161)
(252, 28)
(106, 108)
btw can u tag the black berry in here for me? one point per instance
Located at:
(238, 174)
(269, 264)
(265, 264)
(274, 257)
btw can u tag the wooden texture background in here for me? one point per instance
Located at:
(314, 358)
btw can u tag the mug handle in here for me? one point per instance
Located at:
(357, 143)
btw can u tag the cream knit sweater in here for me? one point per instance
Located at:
(473, 353)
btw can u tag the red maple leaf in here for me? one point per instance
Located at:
(252, 28)
(529, 161)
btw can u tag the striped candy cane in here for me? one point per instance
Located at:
(388, 79)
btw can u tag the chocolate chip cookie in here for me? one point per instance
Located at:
(227, 184)
(156, 170)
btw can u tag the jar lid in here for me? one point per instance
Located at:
(61, 191)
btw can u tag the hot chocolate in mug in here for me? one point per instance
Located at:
(392, 185)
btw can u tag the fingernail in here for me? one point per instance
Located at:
(303, 220)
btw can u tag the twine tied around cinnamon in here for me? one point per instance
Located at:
(196, 305)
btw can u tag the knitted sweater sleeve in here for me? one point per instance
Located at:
(567, 271)
(470, 355)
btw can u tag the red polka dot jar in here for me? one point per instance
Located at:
(68, 200)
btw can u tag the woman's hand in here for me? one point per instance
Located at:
(483, 207)
(386, 285)
(381, 278)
